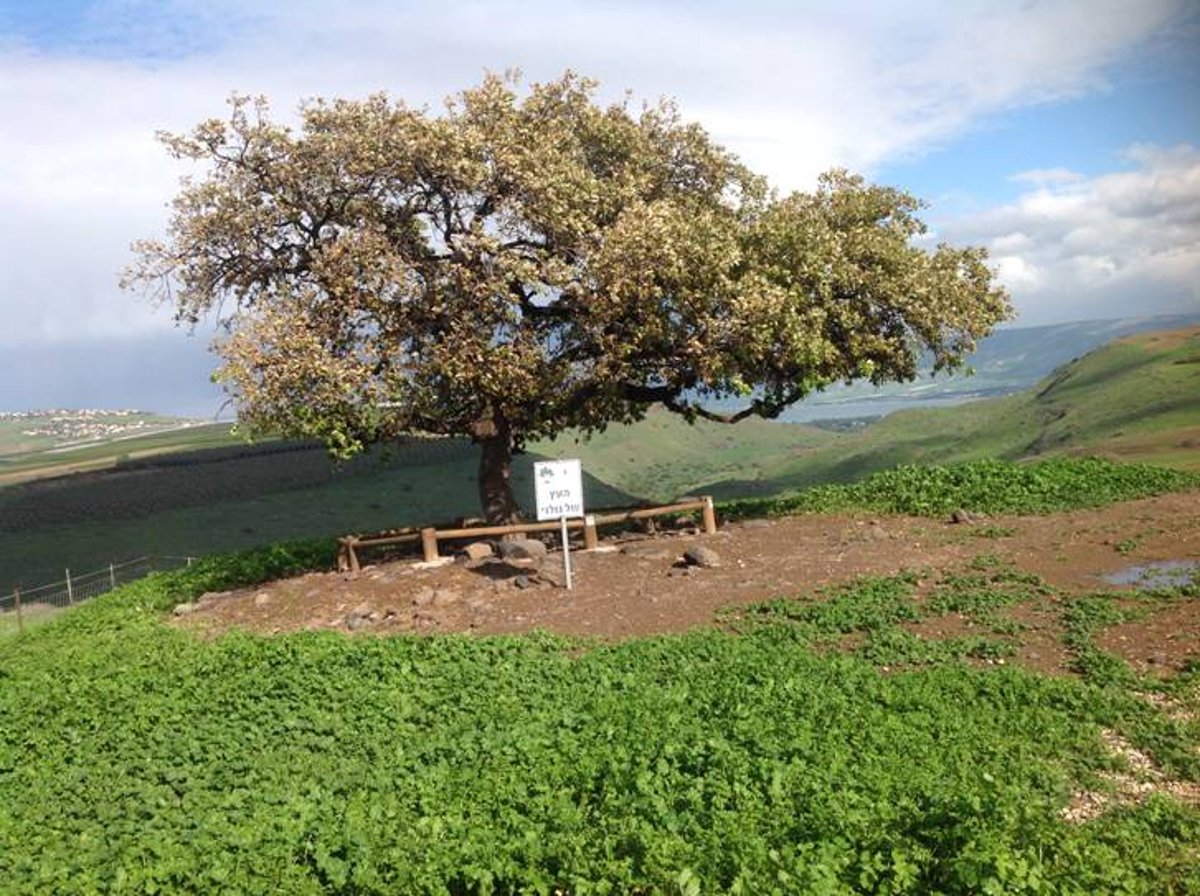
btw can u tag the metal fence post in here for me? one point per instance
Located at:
(112, 574)
(20, 618)
(70, 591)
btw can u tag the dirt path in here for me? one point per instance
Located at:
(636, 585)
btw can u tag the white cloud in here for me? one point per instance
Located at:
(792, 88)
(1046, 176)
(1123, 243)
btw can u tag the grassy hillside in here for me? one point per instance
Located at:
(663, 457)
(1137, 399)
(150, 500)
(84, 522)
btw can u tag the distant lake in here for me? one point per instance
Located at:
(808, 411)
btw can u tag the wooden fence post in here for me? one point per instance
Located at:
(429, 544)
(20, 618)
(710, 516)
(351, 555)
(590, 539)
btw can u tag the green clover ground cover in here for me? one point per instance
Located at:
(135, 758)
(138, 759)
(987, 486)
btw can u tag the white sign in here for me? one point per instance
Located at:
(559, 489)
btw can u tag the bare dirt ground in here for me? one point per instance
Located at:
(637, 584)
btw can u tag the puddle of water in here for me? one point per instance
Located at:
(1150, 576)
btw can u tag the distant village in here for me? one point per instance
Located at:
(88, 424)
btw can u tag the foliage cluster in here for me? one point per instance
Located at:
(878, 608)
(1083, 617)
(867, 619)
(985, 486)
(135, 758)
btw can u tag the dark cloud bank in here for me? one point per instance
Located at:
(168, 373)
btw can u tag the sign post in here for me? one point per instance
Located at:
(566, 554)
(559, 490)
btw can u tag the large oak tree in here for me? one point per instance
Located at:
(529, 261)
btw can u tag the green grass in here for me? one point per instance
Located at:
(986, 486)
(135, 758)
(879, 608)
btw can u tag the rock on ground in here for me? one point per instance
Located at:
(523, 549)
(651, 550)
(699, 555)
(478, 550)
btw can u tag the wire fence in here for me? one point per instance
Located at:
(76, 588)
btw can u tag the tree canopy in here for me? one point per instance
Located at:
(528, 261)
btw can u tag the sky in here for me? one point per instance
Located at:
(1063, 135)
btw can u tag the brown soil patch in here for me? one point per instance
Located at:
(1039, 643)
(943, 628)
(635, 586)
(1160, 643)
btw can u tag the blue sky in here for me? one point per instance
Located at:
(1064, 135)
(1146, 98)
(1088, 134)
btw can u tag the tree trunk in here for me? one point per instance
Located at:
(495, 478)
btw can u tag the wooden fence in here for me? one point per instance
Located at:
(429, 536)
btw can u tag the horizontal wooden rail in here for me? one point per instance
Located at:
(430, 535)
(705, 505)
(348, 545)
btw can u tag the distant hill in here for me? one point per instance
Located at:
(1008, 361)
(1020, 356)
(1137, 398)
(53, 442)
(39, 443)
